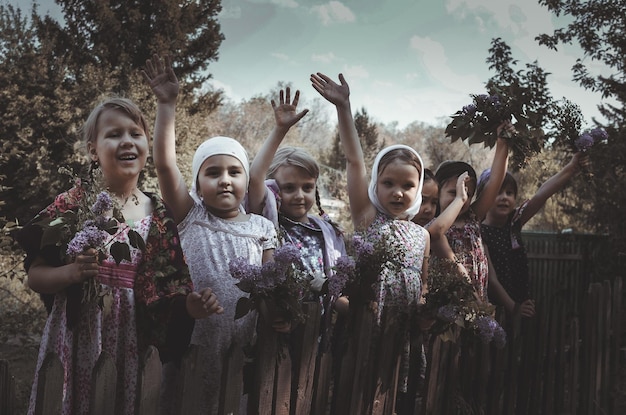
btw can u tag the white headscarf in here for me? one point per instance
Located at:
(212, 147)
(371, 191)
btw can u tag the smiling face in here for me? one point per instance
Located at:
(430, 199)
(120, 146)
(504, 204)
(297, 192)
(222, 185)
(397, 186)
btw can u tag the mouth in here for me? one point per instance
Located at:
(127, 157)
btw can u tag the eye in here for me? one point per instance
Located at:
(308, 188)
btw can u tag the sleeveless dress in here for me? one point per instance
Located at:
(136, 307)
(208, 243)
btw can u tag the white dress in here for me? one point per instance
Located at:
(209, 243)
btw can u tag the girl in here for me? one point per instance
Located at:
(463, 234)
(385, 207)
(502, 233)
(430, 199)
(290, 193)
(213, 228)
(149, 296)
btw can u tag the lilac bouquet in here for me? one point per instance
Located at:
(452, 301)
(85, 223)
(282, 284)
(478, 121)
(588, 138)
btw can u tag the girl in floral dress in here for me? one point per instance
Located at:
(145, 298)
(382, 207)
(213, 229)
(289, 194)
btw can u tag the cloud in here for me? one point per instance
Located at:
(355, 72)
(285, 3)
(324, 58)
(280, 56)
(333, 12)
(436, 64)
(230, 12)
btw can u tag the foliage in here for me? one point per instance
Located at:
(518, 96)
(452, 300)
(280, 285)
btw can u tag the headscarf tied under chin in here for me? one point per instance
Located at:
(213, 147)
(371, 191)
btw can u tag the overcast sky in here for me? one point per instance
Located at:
(405, 60)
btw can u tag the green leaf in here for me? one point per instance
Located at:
(110, 226)
(136, 241)
(120, 251)
(51, 236)
(243, 307)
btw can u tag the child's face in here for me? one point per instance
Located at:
(430, 199)
(297, 192)
(222, 183)
(121, 146)
(505, 202)
(396, 187)
(447, 193)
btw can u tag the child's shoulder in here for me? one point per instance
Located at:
(261, 221)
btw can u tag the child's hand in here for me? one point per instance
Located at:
(527, 308)
(461, 186)
(285, 113)
(581, 161)
(85, 266)
(161, 78)
(505, 129)
(202, 304)
(336, 94)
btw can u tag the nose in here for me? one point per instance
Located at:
(224, 179)
(397, 193)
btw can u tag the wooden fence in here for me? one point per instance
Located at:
(564, 361)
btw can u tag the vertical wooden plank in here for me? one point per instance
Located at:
(575, 362)
(149, 382)
(616, 331)
(262, 395)
(231, 389)
(104, 386)
(385, 364)
(188, 383)
(605, 342)
(282, 382)
(360, 395)
(304, 359)
(7, 389)
(49, 398)
(322, 384)
(550, 360)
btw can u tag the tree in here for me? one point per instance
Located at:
(598, 27)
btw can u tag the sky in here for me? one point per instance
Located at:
(405, 60)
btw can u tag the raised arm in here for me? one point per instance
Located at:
(285, 116)
(163, 82)
(553, 185)
(440, 225)
(361, 208)
(487, 197)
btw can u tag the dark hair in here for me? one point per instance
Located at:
(429, 175)
(452, 169)
(401, 154)
(509, 180)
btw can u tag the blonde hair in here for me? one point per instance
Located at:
(294, 156)
(125, 105)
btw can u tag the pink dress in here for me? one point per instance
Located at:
(466, 243)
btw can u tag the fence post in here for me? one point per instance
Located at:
(149, 382)
(103, 386)
(305, 357)
(7, 389)
(49, 398)
(231, 389)
(616, 332)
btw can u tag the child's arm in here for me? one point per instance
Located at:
(285, 116)
(553, 185)
(440, 225)
(202, 304)
(164, 84)
(487, 197)
(46, 279)
(361, 208)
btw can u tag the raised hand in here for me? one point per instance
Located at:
(202, 304)
(461, 186)
(161, 78)
(329, 89)
(285, 113)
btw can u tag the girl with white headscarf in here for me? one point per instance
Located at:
(213, 230)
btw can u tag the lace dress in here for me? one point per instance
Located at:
(208, 243)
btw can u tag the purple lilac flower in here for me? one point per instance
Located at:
(469, 110)
(447, 313)
(272, 275)
(598, 135)
(344, 271)
(287, 254)
(362, 247)
(499, 337)
(584, 142)
(89, 237)
(102, 204)
(247, 274)
(486, 327)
